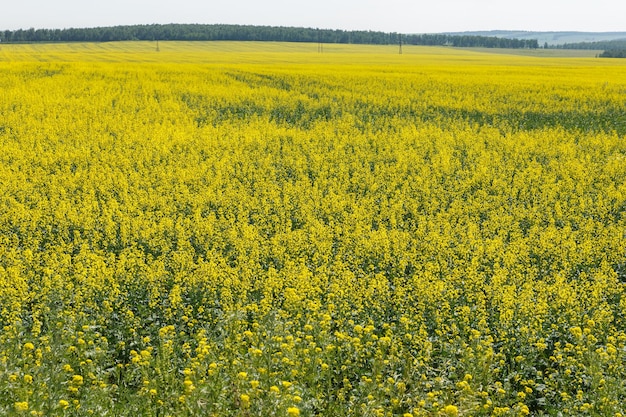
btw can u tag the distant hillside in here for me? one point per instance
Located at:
(552, 38)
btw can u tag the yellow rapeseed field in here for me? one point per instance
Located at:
(259, 229)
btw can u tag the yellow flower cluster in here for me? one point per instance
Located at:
(218, 230)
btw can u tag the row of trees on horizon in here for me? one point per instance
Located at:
(597, 45)
(215, 32)
(611, 49)
(614, 53)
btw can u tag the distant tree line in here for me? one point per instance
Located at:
(199, 32)
(612, 49)
(613, 53)
(469, 41)
(605, 45)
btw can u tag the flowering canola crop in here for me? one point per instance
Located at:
(237, 230)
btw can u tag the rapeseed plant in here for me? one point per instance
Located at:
(441, 234)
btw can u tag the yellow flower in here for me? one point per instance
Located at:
(576, 331)
(293, 411)
(189, 387)
(450, 410)
(524, 410)
(29, 346)
(21, 406)
(245, 400)
(63, 404)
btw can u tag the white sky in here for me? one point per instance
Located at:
(405, 16)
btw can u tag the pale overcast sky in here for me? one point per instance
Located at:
(405, 16)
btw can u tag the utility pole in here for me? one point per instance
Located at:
(320, 48)
(157, 48)
(400, 43)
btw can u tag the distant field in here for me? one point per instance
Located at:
(258, 52)
(542, 53)
(259, 229)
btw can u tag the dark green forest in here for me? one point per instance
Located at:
(604, 45)
(218, 32)
(612, 49)
(614, 53)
